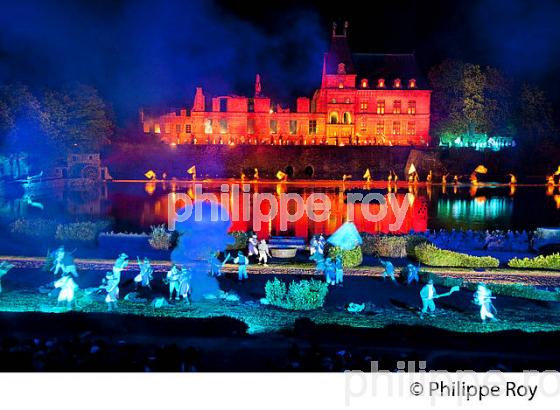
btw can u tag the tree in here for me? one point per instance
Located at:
(469, 99)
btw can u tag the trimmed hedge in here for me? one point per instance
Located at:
(431, 255)
(240, 241)
(391, 246)
(350, 259)
(539, 262)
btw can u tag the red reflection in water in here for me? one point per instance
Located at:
(416, 217)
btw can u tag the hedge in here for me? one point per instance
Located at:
(539, 262)
(431, 255)
(350, 259)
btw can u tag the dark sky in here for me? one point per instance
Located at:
(153, 53)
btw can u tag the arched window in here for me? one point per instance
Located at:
(333, 117)
(412, 83)
(364, 83)
(397, 83)
(381, 83)
(347, 118)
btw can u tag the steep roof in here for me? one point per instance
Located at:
(389, 67)
(339, 52)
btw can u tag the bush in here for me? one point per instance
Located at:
(78, 231)
(391, 246)
(350, 259)
(36, 228)
(159, 237)
(303, 295)
(433, 256)
(240, 241)
(540, 262)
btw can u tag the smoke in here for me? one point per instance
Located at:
(150, 53)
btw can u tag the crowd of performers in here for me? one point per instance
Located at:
(178, 278)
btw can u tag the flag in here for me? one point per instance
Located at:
(281, 175)
(481, 169)
(367, 174)
(557, 171)
(411, 169)
(150, 174)
(192, 170)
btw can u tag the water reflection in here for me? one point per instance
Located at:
(135, 207)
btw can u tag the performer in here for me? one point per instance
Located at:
(67, 290)
(145, 276)
(319, 260)
(264, 253)
(412, 274)
(428, 294)
(339, 270)
(172, 279)
(64, 263)
(111, 285)
(483, 298)
(389, 270)
(242, 261)
(321, 241)
(253, 244)
(313, 245)
(330, 271)
(216, 265)
(120, 264)
(185, 284)
(429, 177)
(4, 269)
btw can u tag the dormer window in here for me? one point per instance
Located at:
(381, 83)
(365, 83)
(340, 85)
(412, 83)
(341, 69)
(397, 83)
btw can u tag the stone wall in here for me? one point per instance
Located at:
(129, 161)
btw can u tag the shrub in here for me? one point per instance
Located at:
(303, 295)
(159, 237)
(77, 231)
(433, 256)
(36, 228)
(240, 241)
(391, 246)
(350, 259)
(539, 262)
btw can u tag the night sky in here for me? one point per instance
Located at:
(150, 53)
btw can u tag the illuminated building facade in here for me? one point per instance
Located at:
(364, 99)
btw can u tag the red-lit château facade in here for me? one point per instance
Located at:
(364, 99)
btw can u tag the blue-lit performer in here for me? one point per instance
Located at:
(185, 284)
(412, 274)
(145, 276)
(319, 260)
(63, 263)
(428, 294)
(172, 280)
(330, 271)
(111, 286)
(313, 244)
(4, 269)
(321, 242)
(67, 290)
(242, 261)
(216, 265)
(483, 298)
(389, 270)
(253, 245)
(339, 270)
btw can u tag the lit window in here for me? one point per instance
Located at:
(347, 118)
(178, 128)
(167, 128)
(363, 106)
(157, 129)
(380, 107)
(363, 126)
(333, 100)
(364, 83)
(147, 128)
(250, 126)
(412, 107)
(333, 118)
(293, 127)
(273, 126)
(223, 126)
(397, 83)
(396, 107)
(188, 128)
(340, 85)
(381, 83)
(379, 128)
(412, 83)
(411, 128)
(208, 126)
(396, 128)
(313, 126)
